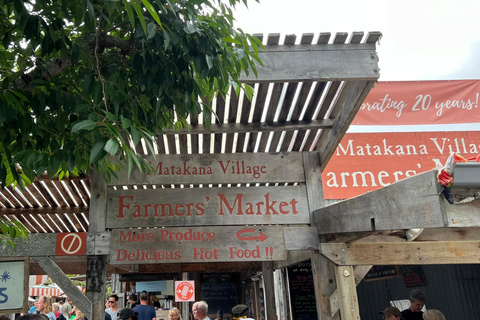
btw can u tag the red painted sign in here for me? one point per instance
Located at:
(421, 102)
(184, 291)
(365, 162)
(71, 244)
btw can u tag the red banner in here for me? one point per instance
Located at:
(368, 161)
(421, 102)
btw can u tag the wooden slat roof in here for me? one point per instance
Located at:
(306, 95)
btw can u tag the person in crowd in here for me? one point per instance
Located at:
(156, 304)
(112, 306)
(4, 317)
(219, 315)
(200, 310)
(240, 312)
(391, 313)
(433, 314)
(144, 311)
(417, 301)
(67, 308)
(78, 314)
(174, 314)
(44, 306)
(33, 309)
(56, 311)
(132, 301)
(127, 314)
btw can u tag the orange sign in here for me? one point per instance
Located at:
(71, 244)
(368, 161)
(184, 291)
(421, 102)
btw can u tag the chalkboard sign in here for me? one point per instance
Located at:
(302, 291)
(382, 272)
(219, 291)
(414, 276)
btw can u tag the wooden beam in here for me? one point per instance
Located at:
(349, 309)
(44, 210)
(293, 257)
(325, 287)
(410, 203)
(403, 253)
(360, 272)
(316, 62)
(54, 272)
(352, 96)
(301, 238)
(278, 126)
(269, 290)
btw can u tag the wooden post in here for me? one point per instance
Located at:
(269, 290)
(282, 297)
(347, 292)
(96, 264)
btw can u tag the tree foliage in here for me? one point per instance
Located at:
(84, 79)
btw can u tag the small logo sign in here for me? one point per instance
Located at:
(71, 244)
(184, 291)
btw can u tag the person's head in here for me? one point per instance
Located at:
(433, 314)
(143, 296)
(219, 315)
(126, 314)
(132, 298)
(44, 304)
(239, 311)
(79, 315)
(200, 310)
(55, 307)
(70, 301)
(417, 300)
(4, 317)
(60, 303)
(391, 313)
(112, 301)
(174, 314)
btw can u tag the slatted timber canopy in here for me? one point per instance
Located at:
(306, 95)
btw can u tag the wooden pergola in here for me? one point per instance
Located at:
(306, 95)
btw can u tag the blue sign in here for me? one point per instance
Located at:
(12, 279)
(152, 286)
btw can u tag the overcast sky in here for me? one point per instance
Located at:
(422, 39)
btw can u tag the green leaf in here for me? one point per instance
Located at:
(152, 12)
(97, 152)
(129, 10)
(151, 30)
(112, 146)
(138, 10)
(87, 125)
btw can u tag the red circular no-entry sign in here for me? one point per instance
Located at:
(71, 244)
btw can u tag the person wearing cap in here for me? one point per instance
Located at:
(219, 315)
(240, 312)
(417, 301)
(200, 310)
(391, 313)
(126, 314)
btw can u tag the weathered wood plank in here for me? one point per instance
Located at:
(410, 203)
(350, 99)
(318, 63)
(293, 257)
(398, 253)
(301, 238)
(54, 272)
(220, 168)
(347, 293)
(269, 290)
(462, 214)
(206, 206)
(197, 244)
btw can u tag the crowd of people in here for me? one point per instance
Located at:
(414, 312)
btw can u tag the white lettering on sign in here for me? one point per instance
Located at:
(207, 244)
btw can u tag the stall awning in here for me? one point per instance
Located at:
(36, 291)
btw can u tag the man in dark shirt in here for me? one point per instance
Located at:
(417, 301)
